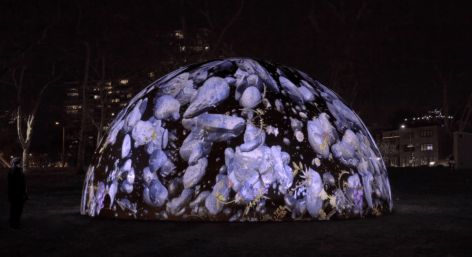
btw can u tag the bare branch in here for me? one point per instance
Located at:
(313, 20)
(341, 18)
(466, 114)
(80, 17)
(359, 14)
(21, 78)
(8, 83)
(36, 105)
(236, 15)
(205, 13)
(45, 31)
(93, 121)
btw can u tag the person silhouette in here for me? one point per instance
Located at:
(17, 193)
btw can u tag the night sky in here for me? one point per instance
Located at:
(385, 58)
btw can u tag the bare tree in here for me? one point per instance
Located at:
(389, 149)
(103, 102)
(105, 84)
(465, 114)
(25, 137)
(13, 73)
(80, 154)
(444, 82)
(218, 33)
(340, 44)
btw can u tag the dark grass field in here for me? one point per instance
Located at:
(432, 217)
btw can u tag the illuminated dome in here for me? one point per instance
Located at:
(232, 140)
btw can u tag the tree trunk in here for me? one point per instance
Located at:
(214, 50)
(103, 103)
(25, 160)
(445, 112)
(80, 154)
(466, 114)
(184, 30)
(25, 143)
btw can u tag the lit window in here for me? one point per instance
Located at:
(151, 74)
(124, 81)
(179, 35)
(128, 95)
(426, 147)
(207, 48)
(182, 48)
(123, 104)
(426, 133)
(109, 92)
(112, 114)
(96, 97)
(109, 83)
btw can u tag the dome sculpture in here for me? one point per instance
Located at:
(237, 139)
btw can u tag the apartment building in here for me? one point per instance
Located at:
(415, 146)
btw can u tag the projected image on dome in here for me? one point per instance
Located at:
(237, 140)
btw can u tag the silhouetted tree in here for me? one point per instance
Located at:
(23, 68)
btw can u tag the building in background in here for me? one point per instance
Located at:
(113, 95)
(110, 98)
(184, 48)
(423, 145)
(415, 146)
(418, 141)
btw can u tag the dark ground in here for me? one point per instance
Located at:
(432, 217)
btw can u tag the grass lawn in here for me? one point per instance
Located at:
(432, 217)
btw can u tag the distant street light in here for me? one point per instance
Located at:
(403, 126)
